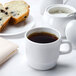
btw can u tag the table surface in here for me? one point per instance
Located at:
(17, 65)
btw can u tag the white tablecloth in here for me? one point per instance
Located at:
(17, 65)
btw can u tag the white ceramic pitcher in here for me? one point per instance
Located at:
(59, 21)
(46, 3)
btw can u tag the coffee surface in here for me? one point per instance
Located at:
(42, 37)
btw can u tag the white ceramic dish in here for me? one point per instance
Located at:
(19, 28)
(46, 3)
(58, 21)
(44, 56)
(71, 33)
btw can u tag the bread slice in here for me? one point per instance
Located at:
(4, 18)
(19, 10)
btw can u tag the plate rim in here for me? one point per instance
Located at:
(32, 25)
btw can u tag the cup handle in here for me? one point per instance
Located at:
(70, 47)
(66, 1)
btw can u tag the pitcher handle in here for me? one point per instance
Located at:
(69, 49)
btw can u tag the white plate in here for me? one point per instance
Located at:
(19, 28)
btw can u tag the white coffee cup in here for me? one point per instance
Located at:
(59, 21)
(46, 3)
(44, 56)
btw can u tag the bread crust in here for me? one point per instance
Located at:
(14, 20)
(2, 28)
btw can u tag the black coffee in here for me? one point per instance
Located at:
(42, 37)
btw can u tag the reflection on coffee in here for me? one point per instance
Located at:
(42, 37)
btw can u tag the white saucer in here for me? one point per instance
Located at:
(19, 28)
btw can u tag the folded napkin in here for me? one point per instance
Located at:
(7, 49)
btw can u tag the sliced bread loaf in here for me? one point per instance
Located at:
(19, 11)
(4, 18)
